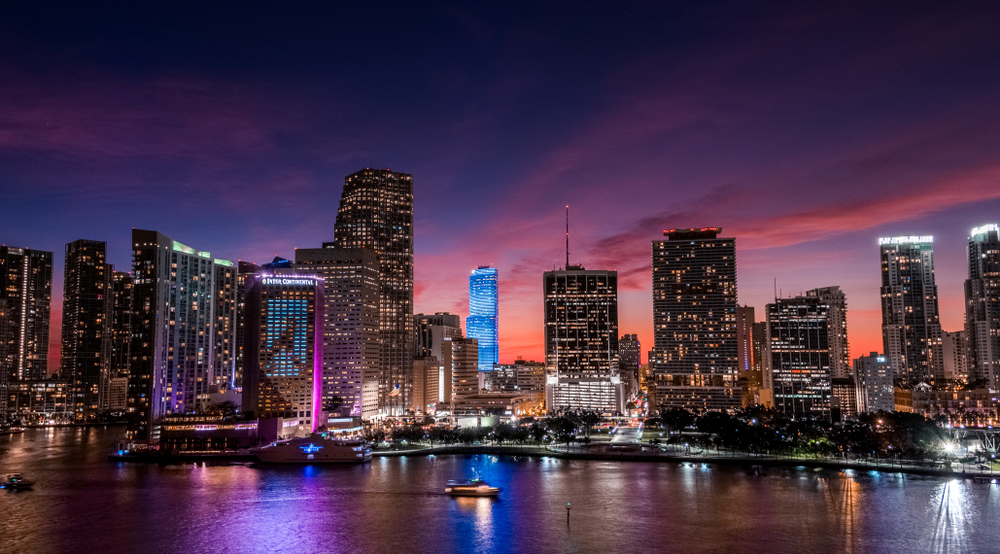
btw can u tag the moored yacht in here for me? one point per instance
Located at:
(314, 449)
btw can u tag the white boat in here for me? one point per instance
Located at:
(314, 449)
(473, 487)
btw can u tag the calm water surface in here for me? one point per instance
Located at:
(83, 503)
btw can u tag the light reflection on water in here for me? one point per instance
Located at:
(85, 503)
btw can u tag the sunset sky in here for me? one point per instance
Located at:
(804, 130)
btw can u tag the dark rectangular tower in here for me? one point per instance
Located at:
(85, 340)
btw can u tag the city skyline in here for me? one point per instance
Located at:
(805, 144)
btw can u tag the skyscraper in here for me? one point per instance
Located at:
(840, 354)
(224, 312)
(798, 346)
(695, 352)
(120, 317)
(982, 306)
(26, 286)
(581, 340)
(85, 339)
(244, 275)
(744, 337)
(482, 323)
(174, 333)
(911, 328)
(284, 347)
(351, 327)
(376, 212)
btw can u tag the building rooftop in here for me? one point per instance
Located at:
(693, 233)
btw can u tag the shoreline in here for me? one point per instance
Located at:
(738, 460)
(546, 452)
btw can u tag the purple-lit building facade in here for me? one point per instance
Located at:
(283, 351)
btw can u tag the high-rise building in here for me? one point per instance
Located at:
(114, 395)
(7, 349)
(351, 325)
(695, 351)
(224, 312)
(174, 329)
(749, 379)
(798, 346)
(744, 337)
(840, 354)
(376, 212)
(85, 329)
(26, 286)
(874, 381)
(759, 377)
(284, 347)
(425, 384)
(244, 275)
(483, 321)
(955, 349)
(911, 328)
(982, 306)
(581, 340)
(461, 361)
(629, 352)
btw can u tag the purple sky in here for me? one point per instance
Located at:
(804, 131)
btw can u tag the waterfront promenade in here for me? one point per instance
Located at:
(682, 455)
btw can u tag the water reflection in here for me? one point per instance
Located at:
(951, 500)
(398, 505)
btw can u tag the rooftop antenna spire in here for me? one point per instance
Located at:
(567, 238)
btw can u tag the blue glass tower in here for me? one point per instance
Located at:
(482, 323)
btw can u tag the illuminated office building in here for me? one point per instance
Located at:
(376, 212)
(26, 287)
(798, 347)
(85, 329)
(695, 353)
(284, 347)
(982, 306)
(581, 340)
(911, 328)
(177, 305)
(351, 325)
(482, 323)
